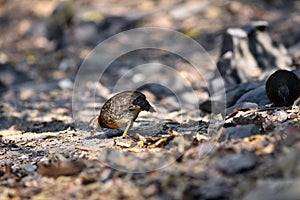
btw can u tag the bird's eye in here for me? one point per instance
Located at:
(130, 107)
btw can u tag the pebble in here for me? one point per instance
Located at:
(106, 175)
(240, 132)
(232, 164)
(30, 168)
(281, 115)
(63, 65)
(65, 84)
(23, 157)
(214, 190)
(275, 189)
(138, 78)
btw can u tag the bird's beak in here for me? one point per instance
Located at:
(93, 124)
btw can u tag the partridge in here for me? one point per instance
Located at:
(121, 111)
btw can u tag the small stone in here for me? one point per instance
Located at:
(138, 78)
(30, 168)
(275, 189)
(106, 175)
(23, 157)
(281, 115)
(63, 65)
(240, 132)
(236, 163)
(214, 190)
(65, 84)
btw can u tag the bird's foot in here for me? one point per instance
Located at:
(124, 136)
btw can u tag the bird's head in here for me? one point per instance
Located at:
(94, 125)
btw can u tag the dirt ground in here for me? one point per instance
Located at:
(47, 151)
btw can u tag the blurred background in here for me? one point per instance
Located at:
(43, 42)
(51, 46)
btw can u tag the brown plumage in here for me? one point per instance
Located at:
(121, 111)
(283, 88)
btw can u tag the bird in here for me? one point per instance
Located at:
(283, 88)
(121, 111)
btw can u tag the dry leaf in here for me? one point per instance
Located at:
(61, 168)
(11, 131)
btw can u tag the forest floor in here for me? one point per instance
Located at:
(47, 151)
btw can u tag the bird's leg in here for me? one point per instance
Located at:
(129, 125)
